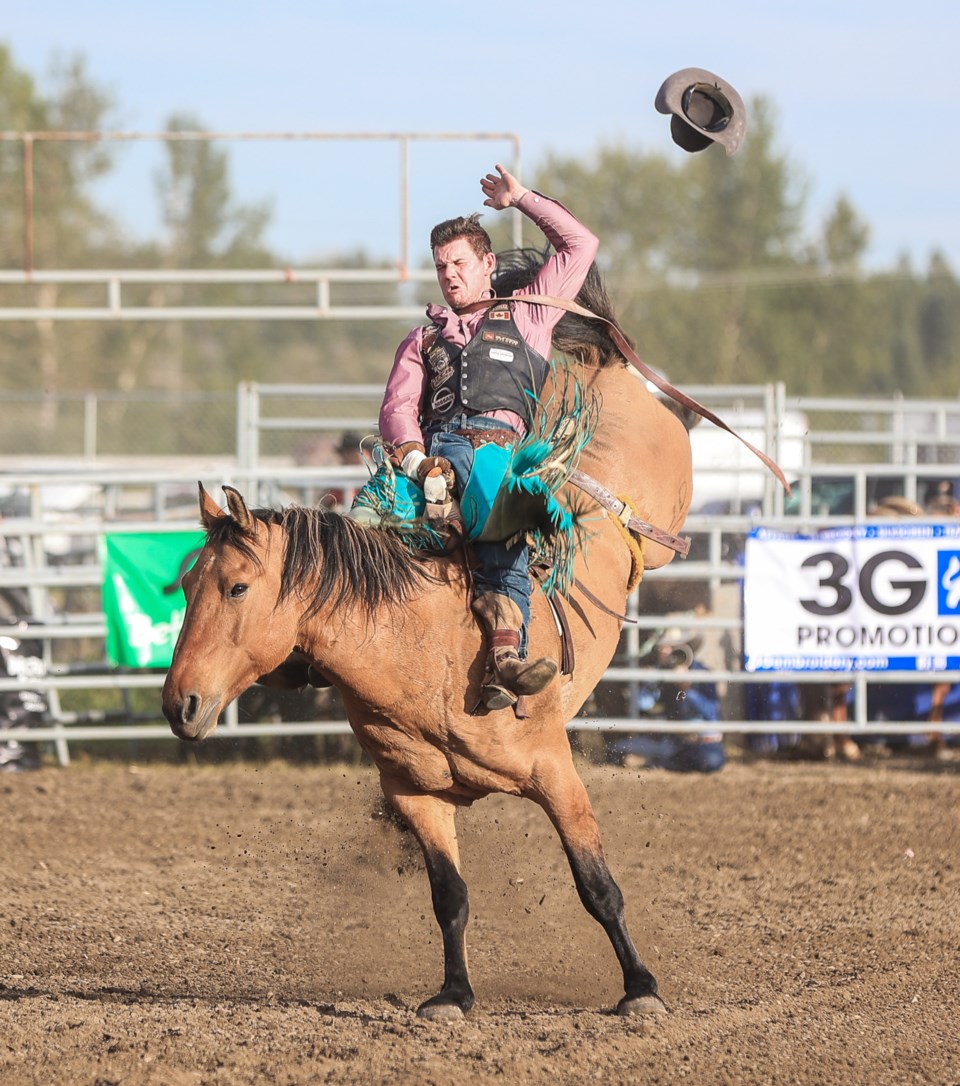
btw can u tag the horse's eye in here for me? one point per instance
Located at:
(238, 590)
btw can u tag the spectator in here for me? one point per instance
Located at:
(677, 699)
(348, 448)
(773, 701)
(942, 501)
(347, 451)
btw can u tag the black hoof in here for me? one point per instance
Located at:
(440, 1012)
(445, 1007)
(648, 1005)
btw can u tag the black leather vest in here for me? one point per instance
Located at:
(493, 372)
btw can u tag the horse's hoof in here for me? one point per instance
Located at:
(641, 1005)
(440, 1012)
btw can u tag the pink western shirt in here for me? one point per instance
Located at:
(562, 276)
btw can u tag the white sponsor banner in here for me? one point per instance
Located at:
(866, 598)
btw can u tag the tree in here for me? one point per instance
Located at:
(67, 226)
(939, 328)
(743, 212)
(684, 245)
(712, 273)
(845, 237)
(205, 227)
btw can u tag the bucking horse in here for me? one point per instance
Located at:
(393, 630)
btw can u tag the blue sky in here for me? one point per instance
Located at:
(863, 94)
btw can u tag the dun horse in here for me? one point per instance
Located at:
(363, 610)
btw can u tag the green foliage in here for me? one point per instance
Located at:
(205, 228)
(713, 276)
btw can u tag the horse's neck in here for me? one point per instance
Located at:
(351, 640)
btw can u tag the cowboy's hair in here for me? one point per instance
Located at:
(467, 227)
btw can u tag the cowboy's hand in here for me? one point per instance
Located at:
(408, 457)
(503, 191)
(435, 475)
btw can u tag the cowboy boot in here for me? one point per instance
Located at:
(507, 675)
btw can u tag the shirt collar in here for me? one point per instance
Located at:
(440, 313)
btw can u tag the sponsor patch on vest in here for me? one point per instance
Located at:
(498, 354)
(500, 337)
(499, 314)
(442, 401)
(439, 377)
(439, 366)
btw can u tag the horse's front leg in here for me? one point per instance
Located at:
(433, 823)
(563, 796)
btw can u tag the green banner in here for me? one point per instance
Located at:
(142, 598)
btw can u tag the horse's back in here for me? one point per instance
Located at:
(640, 451)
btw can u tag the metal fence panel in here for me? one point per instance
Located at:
(279, 446)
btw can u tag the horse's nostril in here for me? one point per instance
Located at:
(191, 707)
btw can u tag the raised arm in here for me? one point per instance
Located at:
(564, 272)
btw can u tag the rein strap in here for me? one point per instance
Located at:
(634, 359)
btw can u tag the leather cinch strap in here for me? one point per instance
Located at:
(631, 355)
(622, 512)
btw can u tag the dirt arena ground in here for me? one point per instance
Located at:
(261, 924)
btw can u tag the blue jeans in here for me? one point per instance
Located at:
(502, 569)
(680, 753)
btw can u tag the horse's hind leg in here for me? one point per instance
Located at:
(432, 821)
(563, 796)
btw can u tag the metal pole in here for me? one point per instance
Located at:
(243, 425)
(28, 202)
(404, 207)
(517, 217)
(90, 426)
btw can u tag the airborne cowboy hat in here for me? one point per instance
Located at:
(705, 108)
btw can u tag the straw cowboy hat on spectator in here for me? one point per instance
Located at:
(705, 108)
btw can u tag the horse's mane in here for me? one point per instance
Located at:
(573, 334)
(345, 563)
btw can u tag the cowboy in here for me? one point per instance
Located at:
(472, 375)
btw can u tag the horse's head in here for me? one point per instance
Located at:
(234, 629)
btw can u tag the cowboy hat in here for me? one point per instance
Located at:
(705, 108)
(677, 647)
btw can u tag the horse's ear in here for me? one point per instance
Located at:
(209, 510)
(238, 509)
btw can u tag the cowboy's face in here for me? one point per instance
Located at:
(463, 276)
